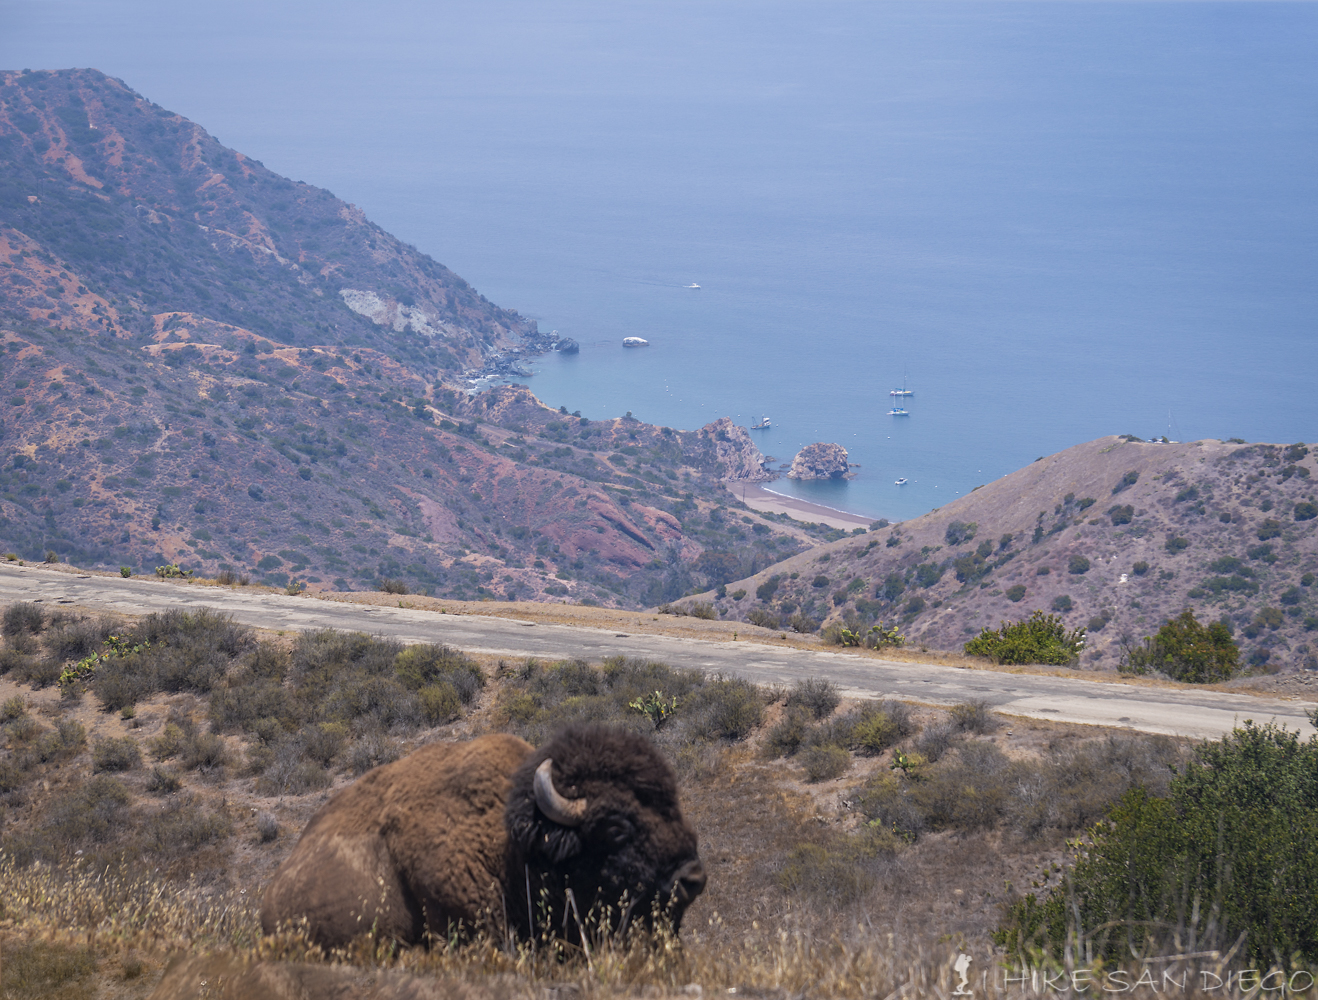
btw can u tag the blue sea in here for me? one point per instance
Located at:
(1053, 220)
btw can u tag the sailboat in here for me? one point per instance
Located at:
(903, 391)
(761, 426)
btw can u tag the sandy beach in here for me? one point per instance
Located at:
(757, 497)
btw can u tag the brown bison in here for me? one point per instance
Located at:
(495, 835)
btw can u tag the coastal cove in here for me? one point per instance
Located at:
(990, 200)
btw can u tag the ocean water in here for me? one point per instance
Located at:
(1054, 220)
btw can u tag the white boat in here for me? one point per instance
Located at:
(898, 411)
(900, 482)
(635, 342)
(903, 391)
(762, 425)
(693, 285)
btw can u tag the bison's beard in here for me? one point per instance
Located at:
(567, 907)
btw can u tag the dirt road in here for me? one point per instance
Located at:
(1180, 711)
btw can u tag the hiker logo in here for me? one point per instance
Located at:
(962, 968)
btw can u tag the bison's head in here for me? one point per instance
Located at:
(595, 811)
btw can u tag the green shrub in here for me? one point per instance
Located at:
(290, 774)
(974, 716)
(423, 665)
(16, 661)
(205, 626)
(1306, 510)
(874, 733)
(321, 655)
(788, 735)
(115, 754)
(245, 702)
(1015, 593)
(1121, 514)
(163, 781)
(1175, 544)
(1062, 603)
(24, 616)
(440, 703)
(267, 827)
(803, 623)
(372, 703)
(1185, 650)
(1040, 638)
(73, 640)
(169, 743)
(817, 696)
(1268, 528)
(935, 740)
(928, 574)
(123, 681)
(1125, 482)
(392, 586)
(1230, 854)
(23, 729)
(825, 763)
(12, 708)
(66, 739)
(1077, 565)
(973, 795)
(959, 532)
(726, 708)
(323, 742)
(762, 618)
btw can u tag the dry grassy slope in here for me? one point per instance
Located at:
(1250, 483)
(312, 463)
(754, 814)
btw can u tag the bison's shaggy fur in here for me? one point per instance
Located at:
(452, 839)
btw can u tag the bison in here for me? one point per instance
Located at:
(494, 835)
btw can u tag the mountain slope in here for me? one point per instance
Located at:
(1117, 535)
(148, 214)
(209, 365)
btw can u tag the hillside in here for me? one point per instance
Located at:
(1117, 535)
(122, 218)
(209, 365)
(158, 795)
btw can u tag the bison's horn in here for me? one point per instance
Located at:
(566, 812)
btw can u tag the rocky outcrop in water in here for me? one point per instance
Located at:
(821, 461)
(567, 346)
(738, 457)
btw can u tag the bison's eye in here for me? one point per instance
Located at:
(616, 832)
